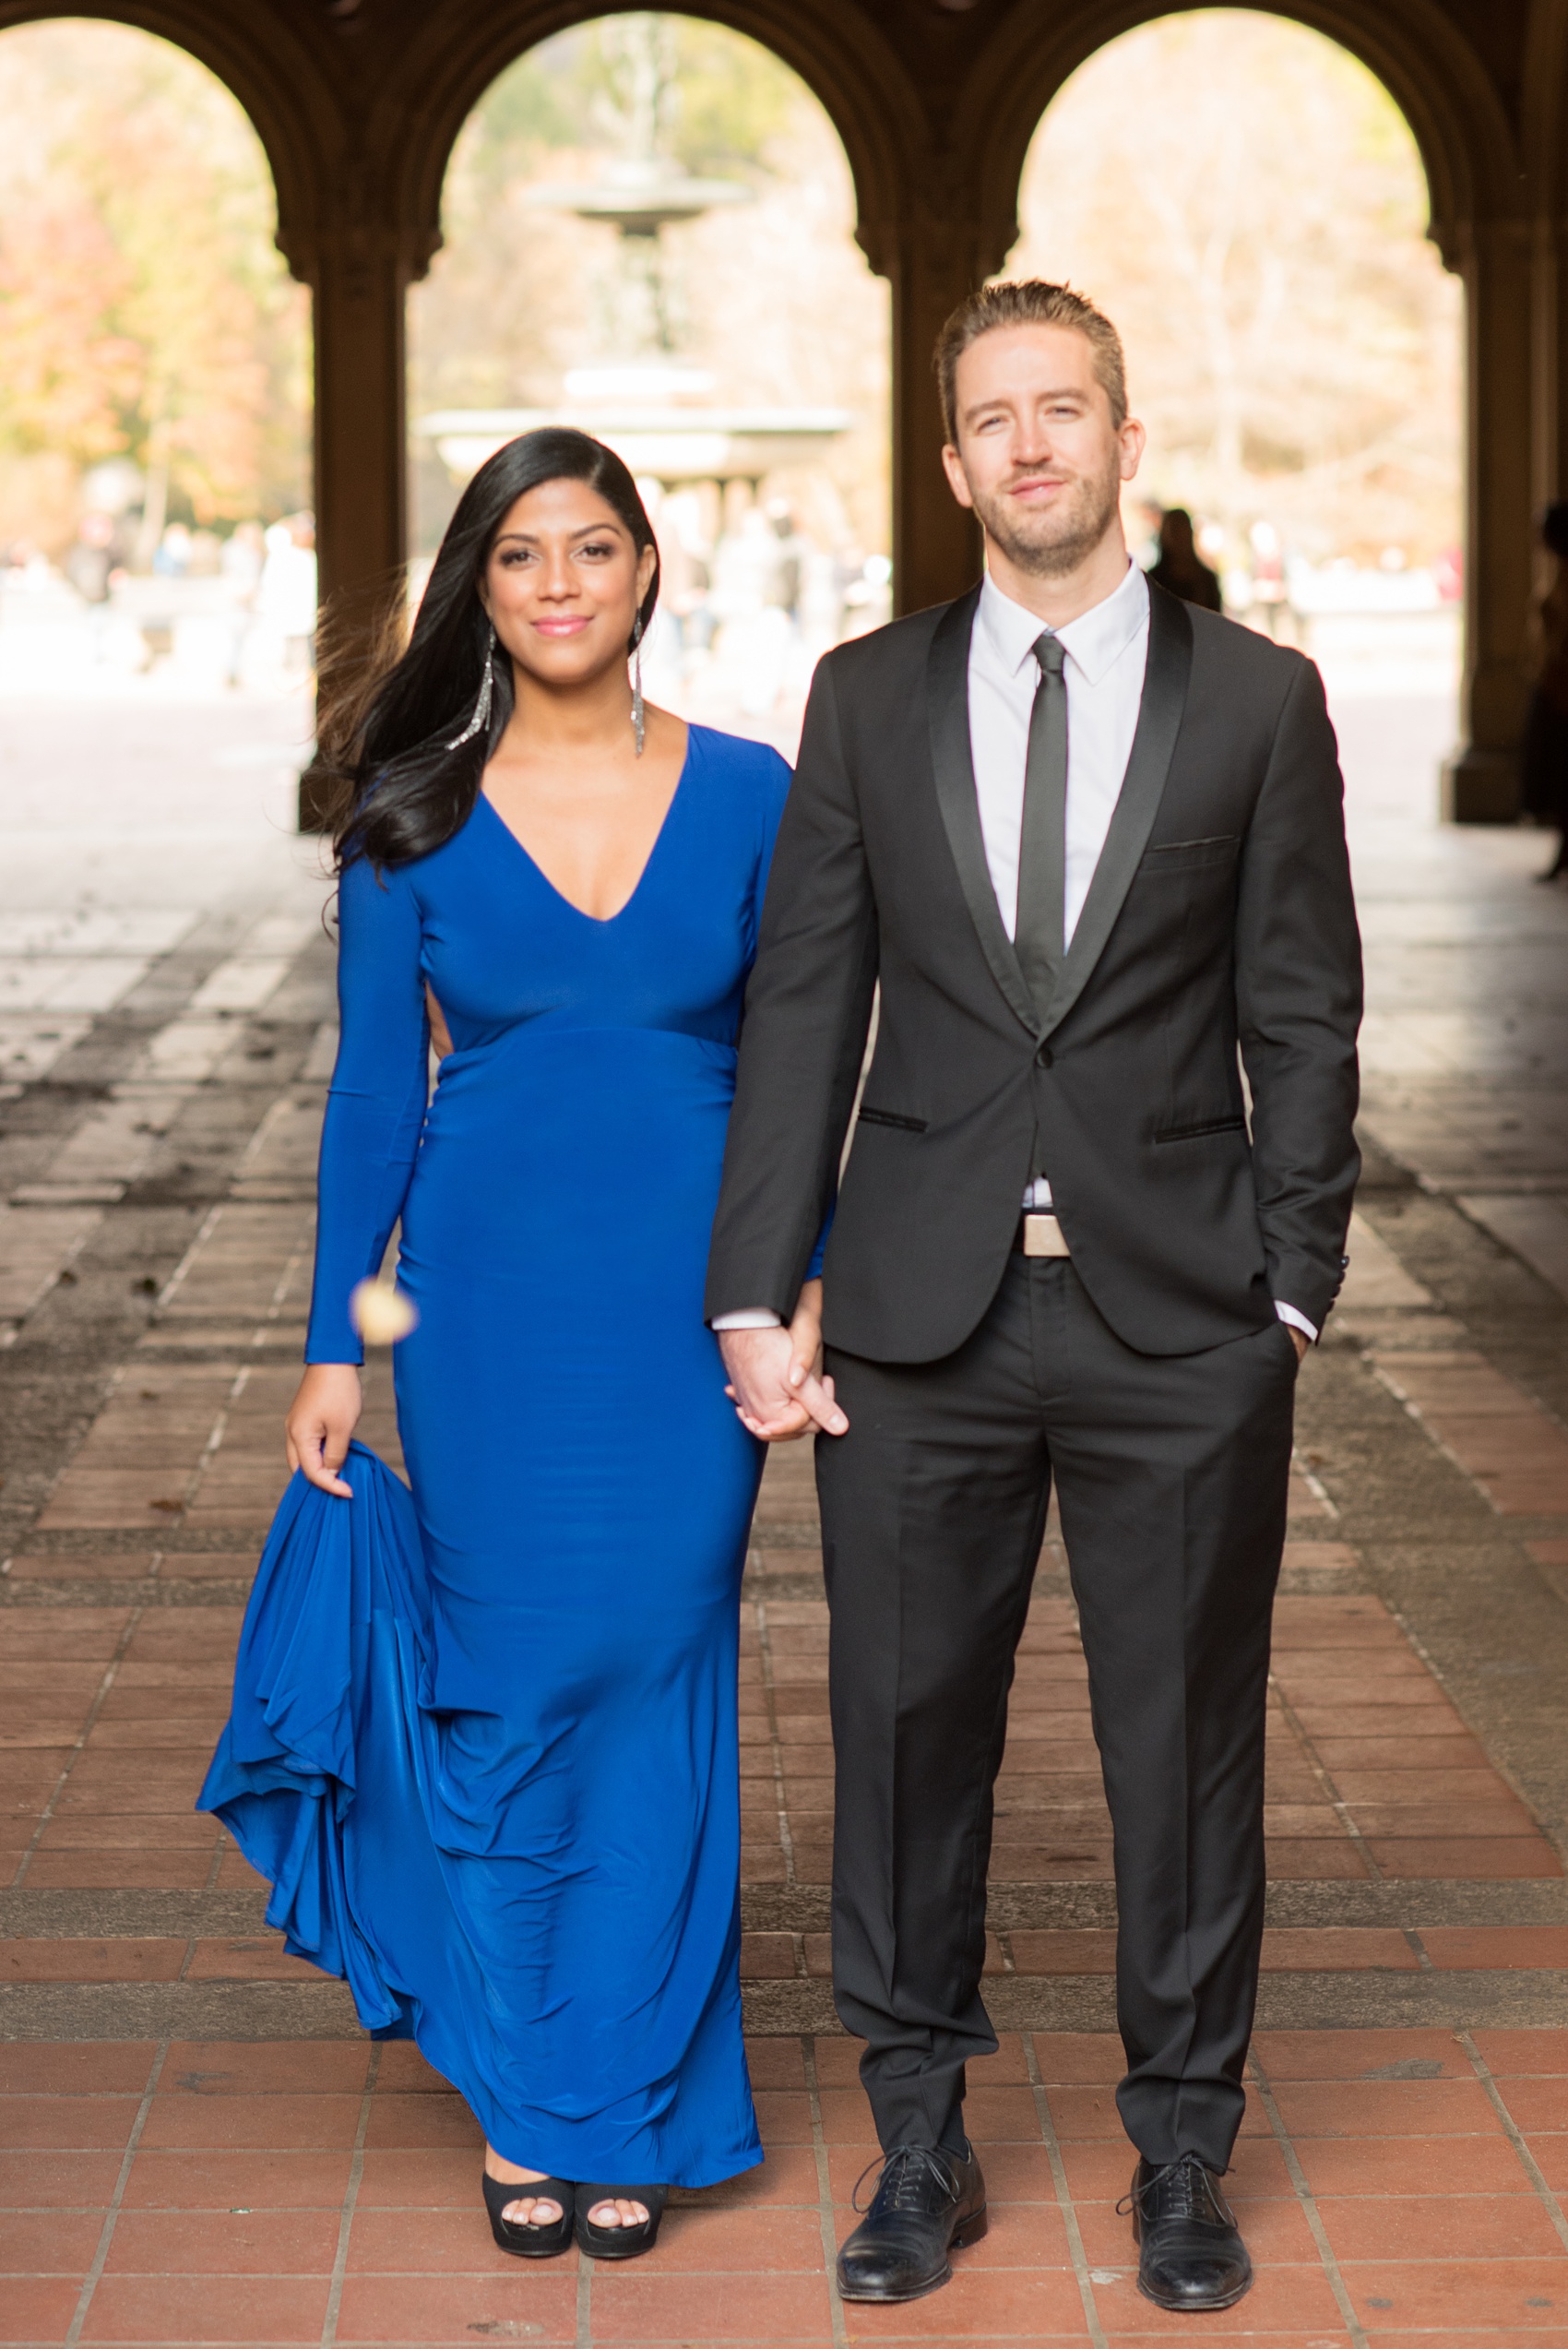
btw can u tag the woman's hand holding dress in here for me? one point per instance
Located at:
(323, 1415)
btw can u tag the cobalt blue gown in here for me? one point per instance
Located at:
(484, 1743)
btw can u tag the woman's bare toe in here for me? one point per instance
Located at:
(532, 2213)
(618, 2214)
(528, 2210)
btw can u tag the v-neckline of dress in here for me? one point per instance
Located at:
(601, 920)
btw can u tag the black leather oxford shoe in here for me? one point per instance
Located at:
(928, 2202)
(1190, 2255)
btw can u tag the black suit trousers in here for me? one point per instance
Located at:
(1171, 1477)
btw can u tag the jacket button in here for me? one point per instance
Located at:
(1044, 1057)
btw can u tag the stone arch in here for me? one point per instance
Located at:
(273, 78)
(1413, 47)
(1481, 223)
(936, 107)
(845, 62)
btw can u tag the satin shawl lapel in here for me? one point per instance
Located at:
(948, 699)
(1159, 721)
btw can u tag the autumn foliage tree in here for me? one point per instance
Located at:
(144, 309)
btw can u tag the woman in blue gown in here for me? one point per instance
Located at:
(489, 1761)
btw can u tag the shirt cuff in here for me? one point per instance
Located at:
(756, 1316)
(1288, 1314)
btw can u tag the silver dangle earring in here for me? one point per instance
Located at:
(639, 716)
(481, 717)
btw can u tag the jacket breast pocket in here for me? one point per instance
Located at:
(1191, 856)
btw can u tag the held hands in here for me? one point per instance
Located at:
(321, 1419)
(774, 1376)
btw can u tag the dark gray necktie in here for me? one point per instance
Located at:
(1043, 850)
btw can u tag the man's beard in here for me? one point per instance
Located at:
(1047, 542)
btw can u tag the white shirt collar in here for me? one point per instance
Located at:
(1094, 641)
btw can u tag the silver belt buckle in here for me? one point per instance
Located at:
(1043, 1235)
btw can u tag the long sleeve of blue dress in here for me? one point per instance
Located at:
(376, 1104)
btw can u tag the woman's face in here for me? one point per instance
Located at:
(563, 583)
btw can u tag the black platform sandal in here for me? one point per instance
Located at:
(523, 2240)
(619, 2242)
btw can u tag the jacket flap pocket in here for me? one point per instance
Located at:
(892, 1117)
(1200, 1127)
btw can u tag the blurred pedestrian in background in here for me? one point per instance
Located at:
(1545, 761)
(91, 559)
(285, 594)
(240, 567)
(1181, 568)
(172, 559)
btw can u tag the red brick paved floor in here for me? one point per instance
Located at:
(1372, 1773)
(1395, 2187)
(111, 1713)
(1399, 2182)
(1513, 1448)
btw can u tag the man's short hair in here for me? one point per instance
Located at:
(1029, 302)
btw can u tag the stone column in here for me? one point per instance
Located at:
(1544, 125)
(1550, 379)
(360, 497)
(359, 278)
(1497, 261)
(931, 264)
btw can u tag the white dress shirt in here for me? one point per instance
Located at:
(1107, 651)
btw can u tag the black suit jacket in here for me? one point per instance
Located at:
(1220, 914)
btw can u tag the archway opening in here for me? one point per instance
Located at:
(648, 226)
(154, 404)
(157, 574)
(1248, 202)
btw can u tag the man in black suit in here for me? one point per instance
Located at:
(1090, 843)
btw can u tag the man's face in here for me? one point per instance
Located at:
(1039, 456)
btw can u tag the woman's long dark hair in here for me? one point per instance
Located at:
(403, 791)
